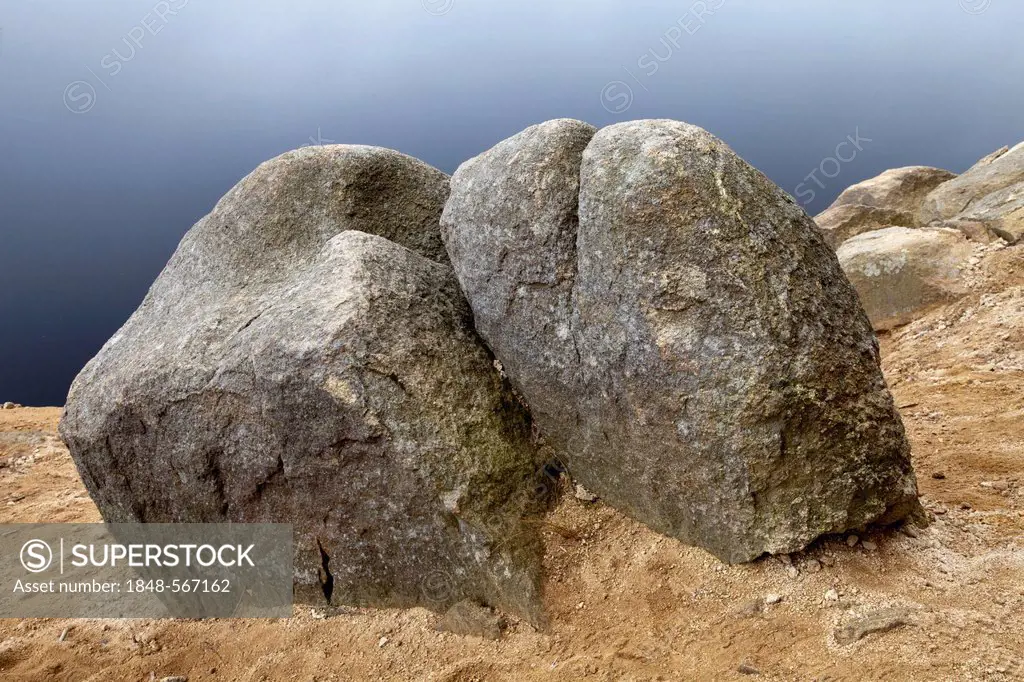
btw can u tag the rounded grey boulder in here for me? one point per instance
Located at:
(287, 367)
(723, 383)
(328, 189)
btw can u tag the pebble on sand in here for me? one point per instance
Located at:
(584, 495)
(877, 622)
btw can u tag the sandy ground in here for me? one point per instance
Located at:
(627, 604)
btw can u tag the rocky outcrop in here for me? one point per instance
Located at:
(839, 223)
(721, 382)
(1002, 211)
(957, 197)
(890, 199)
(897, 189)
(986, 160)
(288, 366)
(900, 273)
(981, 231)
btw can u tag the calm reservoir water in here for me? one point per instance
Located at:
(123, 121)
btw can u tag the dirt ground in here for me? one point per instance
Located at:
(628, 604)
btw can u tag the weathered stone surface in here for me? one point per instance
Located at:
(899, 273)
(286, 368)
(510, 227)
(957, 196)
(839, 223)
(330, 189)
(897, 189)
(722, 383)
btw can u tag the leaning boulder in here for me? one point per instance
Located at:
(897, 189)
(511, 227)
(900, 273)
(287, 367)
(957, 196)
(722, 383)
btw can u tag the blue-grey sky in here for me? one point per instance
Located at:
(122, 122)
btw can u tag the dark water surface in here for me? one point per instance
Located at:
(123, 121)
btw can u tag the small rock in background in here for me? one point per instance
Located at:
(812, 566)
(900, 273)
(869, 546)
(828, 560)
(901, 189)
(890, 199)
(831, 595)
(852, 541)
(382, 643)
(839, 223)
(879, 621)
(939, 476)
(9, 406)
(988, 192)
(584, 495)
(747, 669)
(977, 231)
(754, 607)
(772, 598)
(469, 619)
(174, 678)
